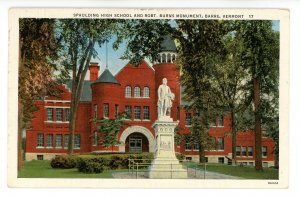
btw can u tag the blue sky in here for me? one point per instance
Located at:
(115, 63)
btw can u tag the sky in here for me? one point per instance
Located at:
(115, 63)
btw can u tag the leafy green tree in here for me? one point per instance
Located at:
(108, 130)
(261, 59)
(38, 49)
(79, 37)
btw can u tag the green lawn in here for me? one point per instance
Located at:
(42, 169)
(238, 171)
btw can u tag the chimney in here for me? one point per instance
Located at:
(94, 70)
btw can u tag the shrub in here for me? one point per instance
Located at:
(93, 165)
(63, 161)
(180, 156)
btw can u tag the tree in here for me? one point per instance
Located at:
(230, 84)
(261, 59)
(108, 130)
(79, 37)
(38, 49)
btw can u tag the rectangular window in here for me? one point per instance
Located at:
(59, 116)
(95, 140)
(68, 114)
(106, 110)
(116, 110)
(188, 119)
(188, 147)
(238, 151)
(264, 151)
(265, 164)
(146, 113)
(137, 113)
(220, 143)
(77, 141)
(40, 157)
(66, 143)
(128, 112)
(244, 151)
(221, 160)
(40, 140)
(58, 141)
(251, 163)
(95, 111)
(250, 151)
(196, 147)
(220, 121)
(50, 114)
(49, 140)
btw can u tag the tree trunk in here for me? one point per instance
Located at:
(257, 129)
(233, 128)
(201, 154)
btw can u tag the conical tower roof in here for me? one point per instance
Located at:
(107, 77)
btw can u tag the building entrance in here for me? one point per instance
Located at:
(136, 143)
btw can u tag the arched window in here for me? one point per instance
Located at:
(137, 92)
(128, 92)
(146, 92)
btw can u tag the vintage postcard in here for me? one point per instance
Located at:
(148, 98)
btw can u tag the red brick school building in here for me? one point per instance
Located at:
(132, 90)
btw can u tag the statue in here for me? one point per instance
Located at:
(165, 97)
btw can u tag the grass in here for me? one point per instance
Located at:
(245, 172)
(42, 169)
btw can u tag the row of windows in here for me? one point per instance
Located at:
(58, 141)
(137, 92)
(219, 146)
(59, 114)
(243, 151)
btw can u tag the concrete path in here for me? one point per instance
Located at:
(192, 174)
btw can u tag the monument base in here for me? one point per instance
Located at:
(165, 164)
(167, 169)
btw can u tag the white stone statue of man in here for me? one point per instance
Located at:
(165, 97)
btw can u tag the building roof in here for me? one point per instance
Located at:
(107, 77)
(168, 45)
(86, 95)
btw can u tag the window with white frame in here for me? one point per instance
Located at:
(137, 92)
(220, 143)
(128, 112)
(95, 139)
(146, 113)
(196, 147)
(106, 110)
(128, 92)
(59, 114)
(264, 151)
(146, 92)
(77, 141)
(250, 151)
(116, 110)
(188, 146)
(58, 141)
(137, 112)
(40, 142)
(244, 151)
(49, 140)
(188, 119)
(220, 121)
(238, 151)
(50, 114)
(68, 114)
(66, 141)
